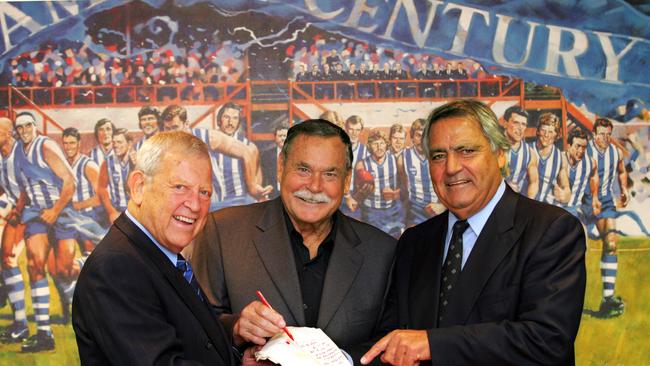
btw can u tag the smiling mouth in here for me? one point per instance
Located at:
(310, 201)
(185, 220)
(457, 183)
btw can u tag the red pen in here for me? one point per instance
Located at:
(263, 300)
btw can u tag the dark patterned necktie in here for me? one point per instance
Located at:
(452, 266)
(186, 269)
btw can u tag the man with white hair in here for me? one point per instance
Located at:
(138, 301)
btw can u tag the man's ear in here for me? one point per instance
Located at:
(501, 158)
(347, 179)
(136, 186)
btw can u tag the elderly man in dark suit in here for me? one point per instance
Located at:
(498, 279)
(316, 266)
(137, 302)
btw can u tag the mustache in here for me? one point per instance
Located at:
(304, 194)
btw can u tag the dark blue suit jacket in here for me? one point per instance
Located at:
(133, 307)
(519, 298)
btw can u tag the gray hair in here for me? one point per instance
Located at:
(152, 152)
(474, 110)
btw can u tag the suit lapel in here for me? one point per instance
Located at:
(425, 283)
(200, 309)
(274, 249)
(344, 264)
(495, 241)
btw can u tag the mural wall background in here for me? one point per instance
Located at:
(265, 64)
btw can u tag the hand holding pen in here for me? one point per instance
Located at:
(256, 323)
(263, 300)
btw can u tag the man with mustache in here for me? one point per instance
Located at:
(316, 266)
(382, 205)
(234, 189)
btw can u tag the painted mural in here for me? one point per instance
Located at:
(84, 83)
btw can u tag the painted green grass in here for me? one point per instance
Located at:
(619, 341)
(622, 340)
(66, 346)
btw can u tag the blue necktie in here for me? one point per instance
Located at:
(452, 266)
(186, 269)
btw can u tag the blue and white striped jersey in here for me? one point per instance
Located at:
(549, 170)
(10, 175)
(420, 186)
(385, 175)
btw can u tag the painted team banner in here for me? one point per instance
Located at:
(84, 83)
(604, 48)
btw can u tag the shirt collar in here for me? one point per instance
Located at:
(292, 230)
(479, 219)
(173, 257)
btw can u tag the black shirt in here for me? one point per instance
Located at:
(311, 272)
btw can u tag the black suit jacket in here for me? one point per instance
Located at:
(269, 164)
(133, 307)
(519, 297)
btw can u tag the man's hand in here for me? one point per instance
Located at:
(434, 208)
(249, 358)
(256, 323)
(133, 157)
(49, 216)
(561, 195)
(401, 347)
(261, 192)
(363, 191)
(13, 217)
(352, 204)
(625, 198)
(596, 205)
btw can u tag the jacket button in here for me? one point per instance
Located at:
(208, 345)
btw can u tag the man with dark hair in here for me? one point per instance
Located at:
(234, 190)
(354, 127)
(498, 279)
(611, 169)
(85, 199)
(583, 174)
(86, 202)
(138, 302)
(317, 267)
(269, 159)
(522, 161)
(104, 136)
(325, 90)
(113, 174)
(397, 139)
(301, 75)
(149, 123)
(425, 89)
